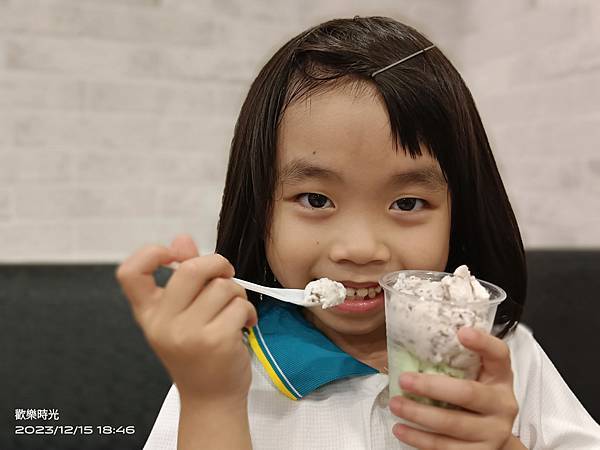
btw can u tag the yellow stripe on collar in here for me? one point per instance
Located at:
(297, 356)
(267, 365)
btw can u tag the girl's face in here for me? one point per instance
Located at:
(351, 208)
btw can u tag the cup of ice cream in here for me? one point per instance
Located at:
(424, 311)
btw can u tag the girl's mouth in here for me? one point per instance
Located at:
(361, 298)
(364, 297)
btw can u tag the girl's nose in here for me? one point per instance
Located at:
(361, 245)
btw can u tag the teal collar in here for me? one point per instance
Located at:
(297, 356)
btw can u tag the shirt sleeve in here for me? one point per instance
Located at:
(550, 416)
(164, 432)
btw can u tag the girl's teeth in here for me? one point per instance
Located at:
(363, 292)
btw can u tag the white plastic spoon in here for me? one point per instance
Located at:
(295, 296)
(324, 292)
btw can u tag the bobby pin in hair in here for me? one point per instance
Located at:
(377, 72)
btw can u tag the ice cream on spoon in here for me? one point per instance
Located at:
(325, 292)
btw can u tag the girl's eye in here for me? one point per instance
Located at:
(409, 204)
(312, 200)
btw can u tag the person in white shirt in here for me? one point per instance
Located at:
(358, 151)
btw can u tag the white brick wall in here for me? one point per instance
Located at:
(116, 115)
(534, 69)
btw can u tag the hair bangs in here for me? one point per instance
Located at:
(416, 112)
(313, 76)
(418, 115)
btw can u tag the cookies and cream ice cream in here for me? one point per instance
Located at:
(424, 311)
(429, 327)
(325, 292)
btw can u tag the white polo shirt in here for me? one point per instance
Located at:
(351, 412)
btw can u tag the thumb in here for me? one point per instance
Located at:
(184, 248)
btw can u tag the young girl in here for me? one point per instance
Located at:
(358, 151)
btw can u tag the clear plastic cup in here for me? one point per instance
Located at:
(421, 332)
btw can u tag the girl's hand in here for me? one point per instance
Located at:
(194, 323)
(489, 404)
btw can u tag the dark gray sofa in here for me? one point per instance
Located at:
(68, 342)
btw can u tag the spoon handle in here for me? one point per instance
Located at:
(295, 296)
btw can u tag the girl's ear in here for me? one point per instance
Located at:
(184, 247)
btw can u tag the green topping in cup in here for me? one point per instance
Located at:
(407, 362)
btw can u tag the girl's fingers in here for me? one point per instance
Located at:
(238, 313)
(190, 278)
(217, 294)
(495, 355)
(184, 247)
(453, 423)
(135, 275)
(424, 440)
(471, 395)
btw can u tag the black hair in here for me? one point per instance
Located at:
(427, 102)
